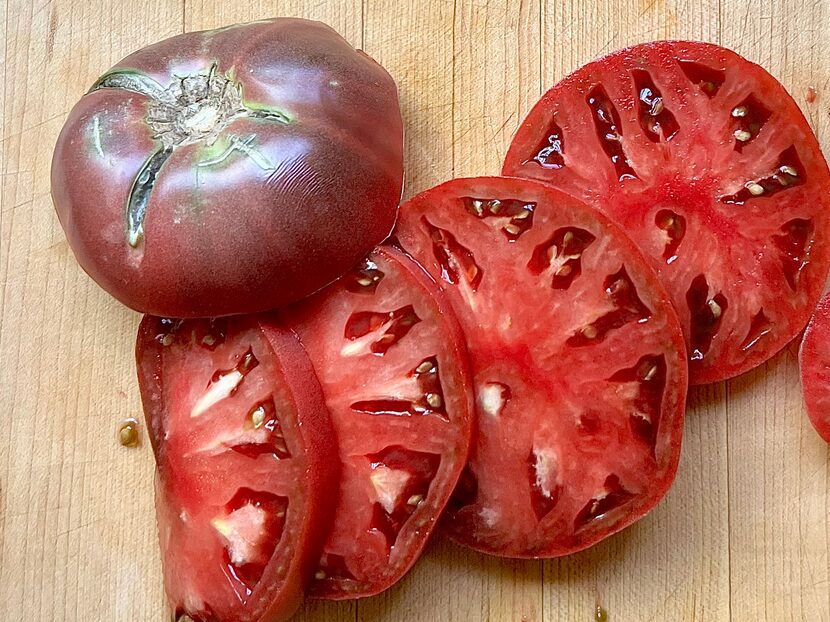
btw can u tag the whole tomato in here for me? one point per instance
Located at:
(232, 170)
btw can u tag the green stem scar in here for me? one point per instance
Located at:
(193, 109)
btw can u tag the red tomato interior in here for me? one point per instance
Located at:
(578, 362)
(708, 163)
(393, 367)
(234, 492)
(814, 359)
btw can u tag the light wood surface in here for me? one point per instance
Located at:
(743, 534)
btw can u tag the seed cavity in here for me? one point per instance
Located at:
(251, 527)
(706, 316)
(550, 153)
(627, 307)
(675, 227)
(364, 279)
(543, 472)
(560, 256)
(609, 131)
(429, 399)
(786, 174)
(657, 121)
(224, 384)
(333, 567)
(377, 331)
(399, 477)
(748, 119)
(794, 244)
(457, 261)
(614, 495)
(709, 80)
(648, 375)
(758, 329)
(514, 216)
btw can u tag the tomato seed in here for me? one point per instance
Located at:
(742, 135)
(128, 433)
(740, 111)
(755, 189)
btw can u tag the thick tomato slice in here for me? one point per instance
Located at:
(246, 465)
(706, 161)
(814, 358)
(391, 359)
(578, 361)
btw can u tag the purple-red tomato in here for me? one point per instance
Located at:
(231, 170)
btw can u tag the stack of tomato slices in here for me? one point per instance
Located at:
(513, 361)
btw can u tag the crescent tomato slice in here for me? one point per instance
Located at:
(707, 162)
(814, 359)
(578, 360)
(392, 362)
(246, 466)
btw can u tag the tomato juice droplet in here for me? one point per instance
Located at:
(128, 433)
(601, 614)
(812, 95)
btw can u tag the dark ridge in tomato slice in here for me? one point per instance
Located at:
(247, 470)
(579, 368)
(814, 360)
(403, 417)
(706, 161)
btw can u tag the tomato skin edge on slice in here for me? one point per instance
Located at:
(814, 369)
(321, 465)
(456, 270)
(703, 162)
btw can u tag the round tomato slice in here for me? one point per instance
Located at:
(232, 170)
(578, 360)
(391, 359)
(706, 161)
(246, 466)
(814, 359)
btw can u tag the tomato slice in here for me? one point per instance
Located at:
(578, 363)
(392, 362)
(246, 470)
(707, 162)
(814, 360)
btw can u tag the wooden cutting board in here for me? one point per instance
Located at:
(743, 534)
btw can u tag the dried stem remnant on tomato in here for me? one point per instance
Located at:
(193, 109)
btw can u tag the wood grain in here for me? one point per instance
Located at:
(744, 533)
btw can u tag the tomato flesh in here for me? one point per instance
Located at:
(708, 163)
(391, 359)
(814, 360)
(578, 363)
(246, 470)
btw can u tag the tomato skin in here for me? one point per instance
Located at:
(730, 126)
(814, 364)
(544, 391)
(388, 280)
(280, 591)
(252, 216)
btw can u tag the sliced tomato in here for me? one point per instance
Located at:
(391, 358)
(814, 359)
(707, 162)
(578, 361)
(247, 469)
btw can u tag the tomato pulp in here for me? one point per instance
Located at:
(247, 473)
(579, 367)
(392, 362)
(707, 162)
